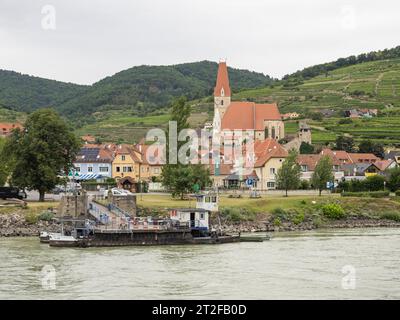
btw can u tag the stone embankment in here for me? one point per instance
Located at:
(15, 225)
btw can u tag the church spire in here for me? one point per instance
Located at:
(222, 88)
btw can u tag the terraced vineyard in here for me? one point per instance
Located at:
(367, 85)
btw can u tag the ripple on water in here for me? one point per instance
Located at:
(301, 265)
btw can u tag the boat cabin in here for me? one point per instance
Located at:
(207, 201)
(197, 219)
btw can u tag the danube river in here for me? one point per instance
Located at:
(324, 264)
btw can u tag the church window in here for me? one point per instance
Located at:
(222, 102)
(273, 133)
(266, 133)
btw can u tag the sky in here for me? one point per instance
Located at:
(83, 41)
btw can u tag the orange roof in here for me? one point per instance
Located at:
(222, 81)
(7, 127)
(363, 157)
(224, 169)
(309, 160)
(337, 156)
(383, 164)
(267, 149)
(249, 115)
(130, 150)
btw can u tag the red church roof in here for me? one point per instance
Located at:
(249, 115)
(222, 81)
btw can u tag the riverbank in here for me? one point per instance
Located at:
(266, 214)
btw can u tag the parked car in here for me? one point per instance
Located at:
(12, 193)
(117, 192)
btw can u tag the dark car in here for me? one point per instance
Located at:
(11, 192)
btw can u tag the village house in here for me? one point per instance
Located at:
(126, 166)
(6, 128)
(264, 119)
(358, 113)
(393, 155)
(94, 162)
(151, 166)
(308, 162)
(290, 115)
(344, 164)
(269, 156)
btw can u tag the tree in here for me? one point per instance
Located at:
(394, 179)
(374, 183)
(367, 146)
(4, 171)
(288, 176)
(306, 148)
(322, 174)
(180, 178)
(42, 152)
(344, 143)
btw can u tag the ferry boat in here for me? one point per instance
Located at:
(184, 226)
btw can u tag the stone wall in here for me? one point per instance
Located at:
(126, 203)
(73, 205)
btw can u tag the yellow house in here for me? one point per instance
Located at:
(126, 163)
(269, 156)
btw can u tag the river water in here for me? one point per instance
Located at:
(323, 264)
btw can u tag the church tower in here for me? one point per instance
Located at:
(222, 95)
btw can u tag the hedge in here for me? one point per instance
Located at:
(372, 194)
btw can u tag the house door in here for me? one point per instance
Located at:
(192, 219)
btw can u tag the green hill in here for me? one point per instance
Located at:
(138, 91)
(20, 92)
(144, 90)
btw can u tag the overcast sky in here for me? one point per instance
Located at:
(83, 41)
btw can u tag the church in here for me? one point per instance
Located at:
(264, 119)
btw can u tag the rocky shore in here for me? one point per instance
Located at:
(15, 225)
(266, 226)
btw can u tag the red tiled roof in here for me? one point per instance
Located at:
(267, 149)
(363, 157)
(249, 115)
(224, 169)
(222, 81)
(383, 164)
(309, 160)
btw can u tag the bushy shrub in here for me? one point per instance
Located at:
(397, 193)
(372, 194)
(31, 218)
(333, 211)
(304, 185)
(46, 216)
(298, 218)
(277, 222)
(395, 216)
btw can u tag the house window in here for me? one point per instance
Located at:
(103, 169)
(201, 216)
(78, 169)
(156, 170)
(118, 169)
(123, 158)
(270, 185)
(272, 170)
(304, 168)
(127, 169)
(90, 169)
(214, 199)
(207, 199)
